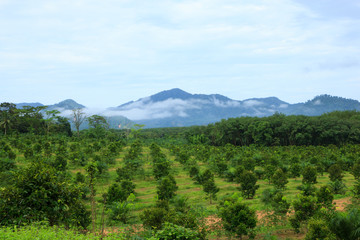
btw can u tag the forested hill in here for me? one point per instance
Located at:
(176, 107)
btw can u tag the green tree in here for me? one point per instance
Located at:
(166, 188)
(237, 217)
(121, 211)
(355, 171)
(335, 173)
(309, 175)
(295, 170)
(346, 225)
(51, 116)
(247, 181)
(210, 188)
(7, 111)
(304, 207)
(325, 197)
(38, 195)
(161, 168)
(319, 229)
(279, 179)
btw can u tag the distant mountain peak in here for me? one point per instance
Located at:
(175, 93)
(68, 104)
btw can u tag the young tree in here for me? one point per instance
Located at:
(304, 207)
(335, 173)
(295, 170)
(120, 192)
(37, 195)
(166, 188)
(247, 181)
(319, 229)
(237, 217)
(161, 168)
(309, 175)
(78, 118)
(210, 188)
(279, 179)
(325, 197)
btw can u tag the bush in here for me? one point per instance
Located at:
(38, 194)
(121, 211)
(237, 217)
(171, 231)
(319, 229)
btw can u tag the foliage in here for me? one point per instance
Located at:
(121, 211)
(337, 187)
(309, 175)
(166, 188)
(247, 182)
(37, 194)
(279, 179)
(335, 173)
(210, 187)
(325, 197)
(346, 225)
(237, 217)
(304, 207)
(172, 231)
(319, 229)
(120, 192)
(154, 217)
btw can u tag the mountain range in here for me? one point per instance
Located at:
(175, 108)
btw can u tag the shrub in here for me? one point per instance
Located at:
(38, 194)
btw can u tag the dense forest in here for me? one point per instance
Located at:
(277, 177)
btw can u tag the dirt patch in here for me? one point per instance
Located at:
(342, 203)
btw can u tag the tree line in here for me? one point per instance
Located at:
(336, 128)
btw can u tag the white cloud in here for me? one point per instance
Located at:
(252, 103)
(317, 102)
(145, 109)
(225, 104)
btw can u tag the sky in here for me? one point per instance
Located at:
(106, 53)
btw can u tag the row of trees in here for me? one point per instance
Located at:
(332, 128)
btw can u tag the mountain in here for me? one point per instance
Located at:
(176, 107)
(21, 105)
(67, 104)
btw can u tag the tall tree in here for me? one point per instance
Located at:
(7, 111)
(78, 118)
(51, 115)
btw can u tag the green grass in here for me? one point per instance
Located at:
(41, 232)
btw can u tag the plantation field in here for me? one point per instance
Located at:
(104, 164)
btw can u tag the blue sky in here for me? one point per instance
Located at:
(105, 53)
